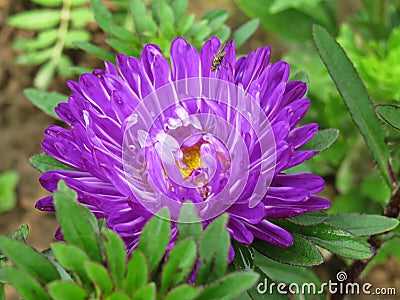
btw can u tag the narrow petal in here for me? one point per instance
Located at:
(271, 233)
(185, 60)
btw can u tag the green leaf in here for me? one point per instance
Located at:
(362, 224)
(25, 284)
(322, 140)
(49, 3)
(147, 292)
(217, 23)
(64, 66)
(213, 14)
(44, 39)
(213, 251)
(81, 70)
(21, 233)
(116, 256)
(102, 15)
(297, 29)
(79, 2)
(123, 47)
(61, 290)
(2, 292)
(179, 7)
(354, 95)
(185, 24)
(36, 19)
(46, 101)
(215, 18)
(301, 253)
(80, 17)
(165, 13)
(281, 5)
(76, 36)
(310, 218)
(183, 292)
(229, 286)
(76, 226)
(45, 75)
(8, 183)
(284, 273)
(96, 51)
(333, 239)
(372, 188)
(142, 20)
(62, 272)
(136, 272)
(390, 114)
(300, 76)
(201, 33)
(245, 31)
(199, 28)
(34, 58)
(29, 260)
(44, 163)
(3, 263)
(99, 276)
(180, 263)
(189, 223)
(124, 35)
(155, 238)
(224, 33)
(72, 258)
(118, 296)
(244, 257)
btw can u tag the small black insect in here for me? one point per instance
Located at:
(218, 58)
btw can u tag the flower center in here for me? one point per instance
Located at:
(191, 159)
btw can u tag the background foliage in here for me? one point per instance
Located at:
(361, 168)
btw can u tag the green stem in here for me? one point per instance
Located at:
(61, 39)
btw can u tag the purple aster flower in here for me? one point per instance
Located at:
(220, 134)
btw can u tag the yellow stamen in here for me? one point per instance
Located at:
(192, 159)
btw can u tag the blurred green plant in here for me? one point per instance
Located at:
(377, 61)
(62, 24)
(8, 197)
(92, 261)
(129, 26)
(292, 20)
(160, 23)
(57, 24)
(371, 39)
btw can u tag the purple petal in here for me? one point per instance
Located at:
(239, 232)
(156, 66)
(271, 233)
(185, 60)
(294, 91)
(313, 183)
(45, 204)
(251, 67)
(300, 156)
(251, 215)
(301, 135)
